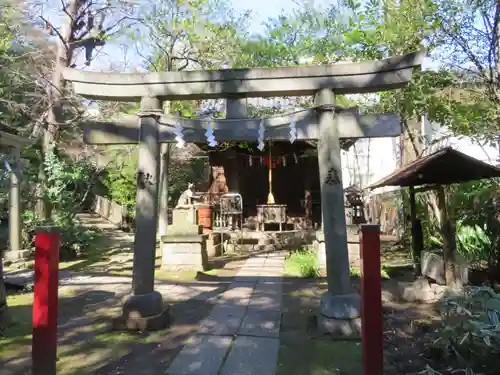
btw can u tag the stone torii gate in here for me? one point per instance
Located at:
(339, 311)
(15, 143)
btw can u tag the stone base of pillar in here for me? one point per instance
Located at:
(143, 312)
(340, 315)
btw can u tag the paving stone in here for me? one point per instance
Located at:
(270, 275)
(202, 355)
(223, 320)
(274, 261)
(262, 323)
(254, 261)
(265, 301)
(246, 278)
(252, 356)
(274, 287)
(238, 293)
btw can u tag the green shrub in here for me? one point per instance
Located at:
(356, 272)
(302, 263)
(469, 336)
(67, 185)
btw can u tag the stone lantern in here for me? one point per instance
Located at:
(355, 206)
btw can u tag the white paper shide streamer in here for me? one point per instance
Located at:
(178, 131)
(260, 139)
(210, 134)
(293, 129)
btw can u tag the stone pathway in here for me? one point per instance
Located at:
(241, 335)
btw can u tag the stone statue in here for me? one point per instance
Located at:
(186, 198)
(218, 186)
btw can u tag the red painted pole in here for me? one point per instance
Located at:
(371, 301)
(45, 302)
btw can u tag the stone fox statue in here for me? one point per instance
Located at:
(219, 183)
(186, 197)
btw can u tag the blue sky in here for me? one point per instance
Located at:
(261, 10)
(264, 9)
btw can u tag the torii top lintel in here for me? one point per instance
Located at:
(342, 78)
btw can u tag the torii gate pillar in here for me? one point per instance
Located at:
(144, 309)
(339, 307)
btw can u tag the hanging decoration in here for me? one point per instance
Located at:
(250, 161)
(272, 162)
(293, 129)
(295, 158)
(283, 161)
(210, 134)
(260, 139)
(7, 166)
(178, 131)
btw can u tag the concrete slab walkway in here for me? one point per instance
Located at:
(241, 335)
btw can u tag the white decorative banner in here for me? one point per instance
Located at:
(210, 134)
(293, 129)
(178, 131)
(260, 139)
(7, 166)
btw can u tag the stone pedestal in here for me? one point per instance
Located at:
(340, 315)
(13, 256)
(143, 312)
(17, 259)
(184, 247)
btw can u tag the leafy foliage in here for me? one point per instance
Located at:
(470, 330)
(68, 184)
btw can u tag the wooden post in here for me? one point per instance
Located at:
(371, 301)
(416, 234)
(449, 239)
(45, 302)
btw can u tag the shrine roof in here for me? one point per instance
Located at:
(443, 167)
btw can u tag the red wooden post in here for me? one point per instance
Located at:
(44, 345)
(371, 301)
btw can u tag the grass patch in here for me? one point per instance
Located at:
(302, 263)
(17, 334)
(320, 357)
(81, 349)
(356, 272)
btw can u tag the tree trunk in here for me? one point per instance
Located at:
(64, 56)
